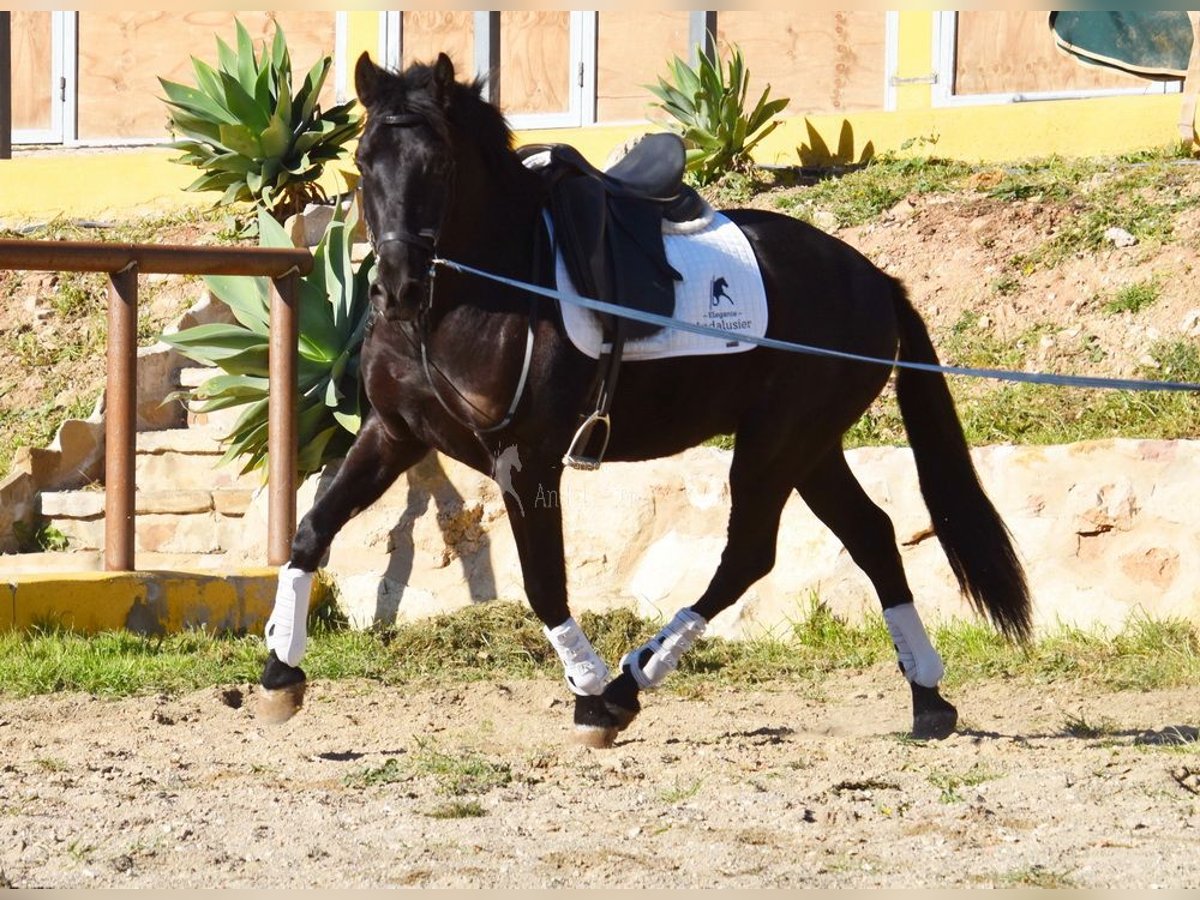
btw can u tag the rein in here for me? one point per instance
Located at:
(423, 344)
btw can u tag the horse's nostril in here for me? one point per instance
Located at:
(410, 289)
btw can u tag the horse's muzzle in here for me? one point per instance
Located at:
(398, 306)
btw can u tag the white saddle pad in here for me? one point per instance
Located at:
(721, 288)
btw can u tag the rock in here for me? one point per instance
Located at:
(1120, 238)
(1190, 325)
(825, 220)
(1105, 528)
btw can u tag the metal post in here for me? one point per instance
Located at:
(282, 435)
(120, 421)
(487, 53)
(6, 82)
(702, 35)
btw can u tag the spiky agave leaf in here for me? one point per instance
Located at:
(708, 106)
(334, 308)
(244, 108)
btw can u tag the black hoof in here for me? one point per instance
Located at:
(933, 717)
(282, 690)
(621, 700)
(277, 674)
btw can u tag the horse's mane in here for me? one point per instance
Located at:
(465, 111)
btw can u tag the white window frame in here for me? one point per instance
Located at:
(581, 108)
(60, 87)
(945, 30)
(891, 58)
(66, 110)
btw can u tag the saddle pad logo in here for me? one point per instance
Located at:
(720, 292)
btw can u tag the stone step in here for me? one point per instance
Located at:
(185, 459)
(179, 521)
(89, 504)
(221, 420)
(50, 563)
(201, 441)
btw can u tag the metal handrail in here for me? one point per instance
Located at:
(124, 263)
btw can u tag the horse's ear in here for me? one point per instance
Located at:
(366, 79)
(443, 76)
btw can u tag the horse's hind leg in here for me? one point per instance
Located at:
(837, 499)
(375, 461)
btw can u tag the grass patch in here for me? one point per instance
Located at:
(864, 194)
(950, 782)
(1004, 413)
(389, 772)
(1145, 654)
(458, 809)
(1133, 298)
(680, 792)
(1078, 726)
(460, 772)
(1035, 876)
(1130, 198)
(503, 640)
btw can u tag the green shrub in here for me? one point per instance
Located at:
(253, 138)
(708, 104)
(333, 309)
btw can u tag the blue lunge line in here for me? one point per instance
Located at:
(1081, 381)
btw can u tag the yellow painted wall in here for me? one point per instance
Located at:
(97, 183)
(144, 602)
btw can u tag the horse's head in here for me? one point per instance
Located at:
(406, 160)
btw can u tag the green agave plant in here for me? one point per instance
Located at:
(254, 140)
(708, 104)
(333, 310)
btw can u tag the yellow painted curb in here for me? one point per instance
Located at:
(152, 603)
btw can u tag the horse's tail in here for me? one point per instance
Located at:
(975, 540)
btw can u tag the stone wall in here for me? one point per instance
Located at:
(1106, 530)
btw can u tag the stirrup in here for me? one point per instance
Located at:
(574, 457)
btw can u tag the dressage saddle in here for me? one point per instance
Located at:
(608, 225)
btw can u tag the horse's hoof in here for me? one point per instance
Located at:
(594, 725)
(282, 692)
(934, 718)
(621, 700)
(277, 706)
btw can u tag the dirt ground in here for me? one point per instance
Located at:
(479, 786)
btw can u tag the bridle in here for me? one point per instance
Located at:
(427, 239)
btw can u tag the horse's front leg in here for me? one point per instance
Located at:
(376, 459)
(534, 510)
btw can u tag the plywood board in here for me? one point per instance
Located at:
(1013, 52)
(121, 55)
(535, 62)
(632, 50)
(426, 34)
(825, 62)
(32, 69)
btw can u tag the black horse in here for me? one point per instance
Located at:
(444, 355)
